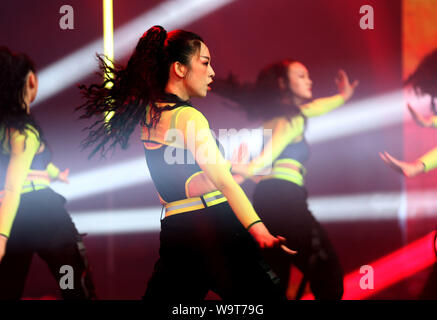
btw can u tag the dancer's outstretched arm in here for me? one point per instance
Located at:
(321, 106)
(212, 163)
(56, 174)
(284, 132)
(425, 163)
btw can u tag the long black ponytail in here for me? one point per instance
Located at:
(125, 92)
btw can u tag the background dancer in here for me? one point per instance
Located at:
(281, 97)
(33, 218)
(424, 82)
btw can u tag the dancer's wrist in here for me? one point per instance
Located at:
(252, 224)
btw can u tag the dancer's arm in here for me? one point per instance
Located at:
(22, 151)
(53, 171)
(321, 106)
(211, 161)
(56, 174)
(284, 132)
(425, 163)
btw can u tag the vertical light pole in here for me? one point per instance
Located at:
(108, 51)
(108, 40)
(108, 31)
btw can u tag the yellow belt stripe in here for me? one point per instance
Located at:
(295, 179)
(173, 212)
(292, 161)
(221, 200)
(196, 206)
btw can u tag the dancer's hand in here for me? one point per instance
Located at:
(266, 240)
(239, 160)
(344, 86)
(3, 242)
(238, 178)
(284, 247)
(63, 176)
(419, 119)
(409, 169)
(240, 169)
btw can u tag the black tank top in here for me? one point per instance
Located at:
(170, 178)
(298, 151)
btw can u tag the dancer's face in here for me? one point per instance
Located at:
(299, 81)
(200, 73)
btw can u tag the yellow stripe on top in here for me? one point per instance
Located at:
(152, 146)
(289, 170)
(187, 193)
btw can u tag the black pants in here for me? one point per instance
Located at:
(43, 226)
(209, 249)
(282, 205)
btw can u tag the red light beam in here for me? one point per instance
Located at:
(390, 269)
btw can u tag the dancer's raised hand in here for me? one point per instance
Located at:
(344, 86)
(409, 169)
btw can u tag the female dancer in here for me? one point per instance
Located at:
(281, 98)
(204, 240)
(425, 163)
(32, 216)
(423, 81)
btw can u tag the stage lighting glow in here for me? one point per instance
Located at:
(359, 207)
(373, 205)
(110, 177)
(356, 117)
(360, 116)
(118, 221)
(390, 269)
(71, 69)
